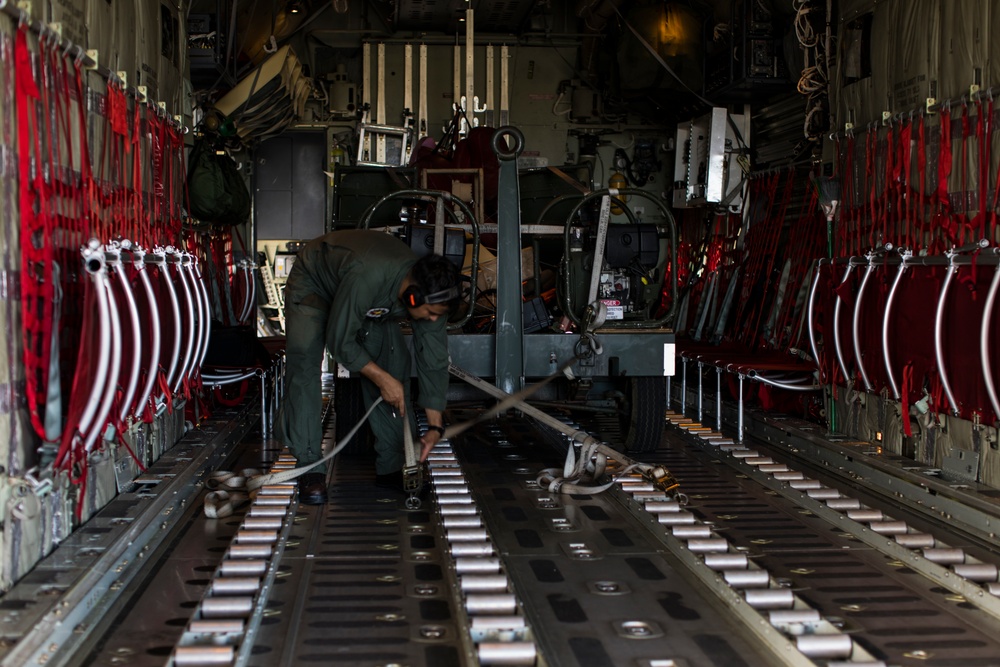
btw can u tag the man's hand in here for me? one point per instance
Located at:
(390, 388)
(427, 442)
(392, 393)
(435, 421)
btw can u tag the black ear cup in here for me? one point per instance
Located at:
(413, 297)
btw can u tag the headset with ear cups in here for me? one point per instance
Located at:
(414, 297)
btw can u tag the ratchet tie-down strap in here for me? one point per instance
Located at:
(580, 474)
(413, 471)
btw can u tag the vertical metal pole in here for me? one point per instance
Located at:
(718, 399)
(509, 343)
(684, 385)
(739, 417)
(422, 114)
(279, 384)
(669, 387)
(365, 149)
(366, 73)
(275, 393)
(504, 78)
(470, 65)
(380, 106)
(457, 87)
(700, 413)
(408, 78)
(490, 101)
(263, 406)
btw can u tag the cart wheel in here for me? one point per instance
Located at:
(349, 408)
(643, 414)
(484, 313)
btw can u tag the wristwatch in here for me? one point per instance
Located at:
(439, 429)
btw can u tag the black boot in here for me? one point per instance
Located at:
(312, 488)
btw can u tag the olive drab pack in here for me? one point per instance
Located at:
(216, 189)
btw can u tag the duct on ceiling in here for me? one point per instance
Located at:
(269, 98)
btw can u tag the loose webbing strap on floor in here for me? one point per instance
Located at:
(283, 476)
(227, 492)
(591, 462)
(227, 487)
(220, 504)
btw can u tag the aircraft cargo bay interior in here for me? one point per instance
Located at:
(549, 333)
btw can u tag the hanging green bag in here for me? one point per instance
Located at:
(216, 190)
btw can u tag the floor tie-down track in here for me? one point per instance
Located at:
(764, 565)
(492, 570)
(496, 570)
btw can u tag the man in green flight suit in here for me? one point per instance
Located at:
(347, 292)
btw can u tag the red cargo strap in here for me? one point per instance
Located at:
(919, 210)
(871, 157)
(86, 173)
(37, 247)
(944, 159)
(984, 133)
(958, 237)
(993, 208)
(847, 199)
(937, 394)
(165, 388)
(904, 397)
(890, 183)
(906, 163)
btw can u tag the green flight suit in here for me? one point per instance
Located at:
(342, 294)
